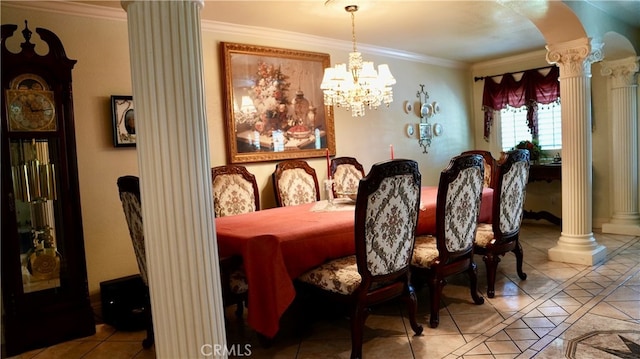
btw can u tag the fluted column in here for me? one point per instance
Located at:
(173, 158)
(576, 243)
(624, 118)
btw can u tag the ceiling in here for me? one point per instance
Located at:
(461, 31)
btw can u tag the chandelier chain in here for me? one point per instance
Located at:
(353, 28)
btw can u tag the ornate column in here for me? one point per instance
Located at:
(624, 117)
(577, 243)
(173, 157)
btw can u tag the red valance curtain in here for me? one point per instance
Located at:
(532, 89)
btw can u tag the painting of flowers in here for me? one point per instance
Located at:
(273, 104)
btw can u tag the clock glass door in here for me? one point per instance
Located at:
(36, 202)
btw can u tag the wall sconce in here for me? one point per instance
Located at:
(426, 111)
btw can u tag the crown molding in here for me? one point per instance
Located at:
(119, 14)
(70, 8)
(347, 46)
(533, 56)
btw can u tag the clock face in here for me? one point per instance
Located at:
(31, 110)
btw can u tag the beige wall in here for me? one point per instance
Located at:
(101, 48)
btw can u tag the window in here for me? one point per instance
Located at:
(514, 127)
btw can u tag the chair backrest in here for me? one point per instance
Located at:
(509, 195)
(458, 206)
(386, 215)
(129, 189)
(346, 173)
(235, 190)
(294, 183)
(490, 166)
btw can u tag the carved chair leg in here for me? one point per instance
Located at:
(358, 318)
(239, 309)
(150, 339)
(473, 279)
(491, 261)
(412, 308)
(435, 292)
(519, 258)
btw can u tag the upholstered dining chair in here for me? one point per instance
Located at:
(234, 284)
(129, 189)
(346, 173)
(235, 190)
(386, 215)
(451, 250)
(294, 183)
(490, 165)
(494, 240)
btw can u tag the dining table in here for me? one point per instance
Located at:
(279, 244)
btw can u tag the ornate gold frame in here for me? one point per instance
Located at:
(291, 107)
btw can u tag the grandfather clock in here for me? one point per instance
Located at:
(44, 277)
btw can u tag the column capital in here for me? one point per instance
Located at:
(575, 57)
(621, 71)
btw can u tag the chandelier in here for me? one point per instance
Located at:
(361, 85)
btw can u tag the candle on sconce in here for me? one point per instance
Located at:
(328, 165)
(391, 148)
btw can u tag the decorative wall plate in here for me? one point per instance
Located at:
(408, 107)
(410, 130)
(426, 110)
(436, 108)
(437, 129)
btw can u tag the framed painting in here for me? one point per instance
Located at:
(274, 107)
(124, 125)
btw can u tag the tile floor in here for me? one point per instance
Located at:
(561, 310)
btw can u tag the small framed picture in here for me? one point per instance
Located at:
(425, 131)
(124, 125)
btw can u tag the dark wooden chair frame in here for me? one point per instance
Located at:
(291, 164)
(387, 287)
(131, 184)
(504, 242)
(335, 162)
(450, 263)
(242, 171)
(489, 160)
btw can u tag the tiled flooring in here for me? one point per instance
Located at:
(561, 310)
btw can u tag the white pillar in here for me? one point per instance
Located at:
(576, 243)
(173, 158)
(624, 117)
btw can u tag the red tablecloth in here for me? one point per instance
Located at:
(279, 244)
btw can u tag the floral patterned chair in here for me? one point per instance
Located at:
(129, 189)
(233, 280)
(294, 183)
(235, 190)
(451, 250)
(386, 215)
(490, 166)
(494, 240)
(346, 173)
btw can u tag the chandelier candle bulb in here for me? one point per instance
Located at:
(391, 148)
